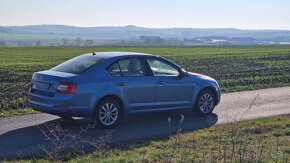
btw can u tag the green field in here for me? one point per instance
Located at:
(236, 68)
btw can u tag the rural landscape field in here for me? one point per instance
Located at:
(234, 109)
(236, 68)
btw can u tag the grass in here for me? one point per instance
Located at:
(237, 68)
(245, 141)
(17, 112)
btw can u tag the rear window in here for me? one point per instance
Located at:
(77, 65)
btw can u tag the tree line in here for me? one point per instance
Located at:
(63, 42)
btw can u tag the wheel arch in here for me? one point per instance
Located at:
(112, 96)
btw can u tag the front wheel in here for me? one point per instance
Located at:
(204, 103)
(108, 113)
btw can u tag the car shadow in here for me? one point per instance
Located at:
(34, 140)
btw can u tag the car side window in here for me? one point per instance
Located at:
(131, 67)
(160, 68)
(127, 67)
(114, 70)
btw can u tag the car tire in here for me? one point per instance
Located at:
(108, 113)
(65, 118)
(205, 103)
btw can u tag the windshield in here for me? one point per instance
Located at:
(77, 65)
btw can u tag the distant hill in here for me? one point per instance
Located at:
(57, 32)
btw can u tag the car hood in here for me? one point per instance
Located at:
(200, 76)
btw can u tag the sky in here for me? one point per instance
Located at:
(242, 14)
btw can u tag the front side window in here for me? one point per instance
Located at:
(160, 68)
(77, 65)
(127, 67)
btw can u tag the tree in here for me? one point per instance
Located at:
(65, 42)
(22, 44)
(38, 43)
(88, 42)
(78, 41)
(2, 43)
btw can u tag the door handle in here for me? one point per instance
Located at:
(120, 84)
(160, 82)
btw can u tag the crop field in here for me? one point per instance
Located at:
(236, 68)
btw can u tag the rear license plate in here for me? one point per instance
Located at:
(40, 85)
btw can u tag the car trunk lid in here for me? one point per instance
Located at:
(45, 83)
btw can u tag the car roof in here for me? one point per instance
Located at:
(107, 55)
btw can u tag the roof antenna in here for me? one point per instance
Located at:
(94, 53)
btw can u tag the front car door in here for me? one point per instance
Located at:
(172, 89)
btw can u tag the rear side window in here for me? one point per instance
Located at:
(127, 67)
(77, 65)
(115, 70)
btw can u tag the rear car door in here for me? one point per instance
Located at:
(134, 83)
(172, 89)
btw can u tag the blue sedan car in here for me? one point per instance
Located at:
(108, 85)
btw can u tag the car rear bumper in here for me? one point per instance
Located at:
(69, 105)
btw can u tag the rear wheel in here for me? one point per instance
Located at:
(108, 113)
(205, 103)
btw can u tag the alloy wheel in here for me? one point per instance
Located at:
(108, 114)
(206, 103)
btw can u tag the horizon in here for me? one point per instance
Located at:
(239, 14)
(130, 25)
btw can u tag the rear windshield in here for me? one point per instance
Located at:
(77, 65)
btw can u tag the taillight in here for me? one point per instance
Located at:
(66, 87)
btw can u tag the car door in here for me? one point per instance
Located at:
(172, 89)
(134, 83)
